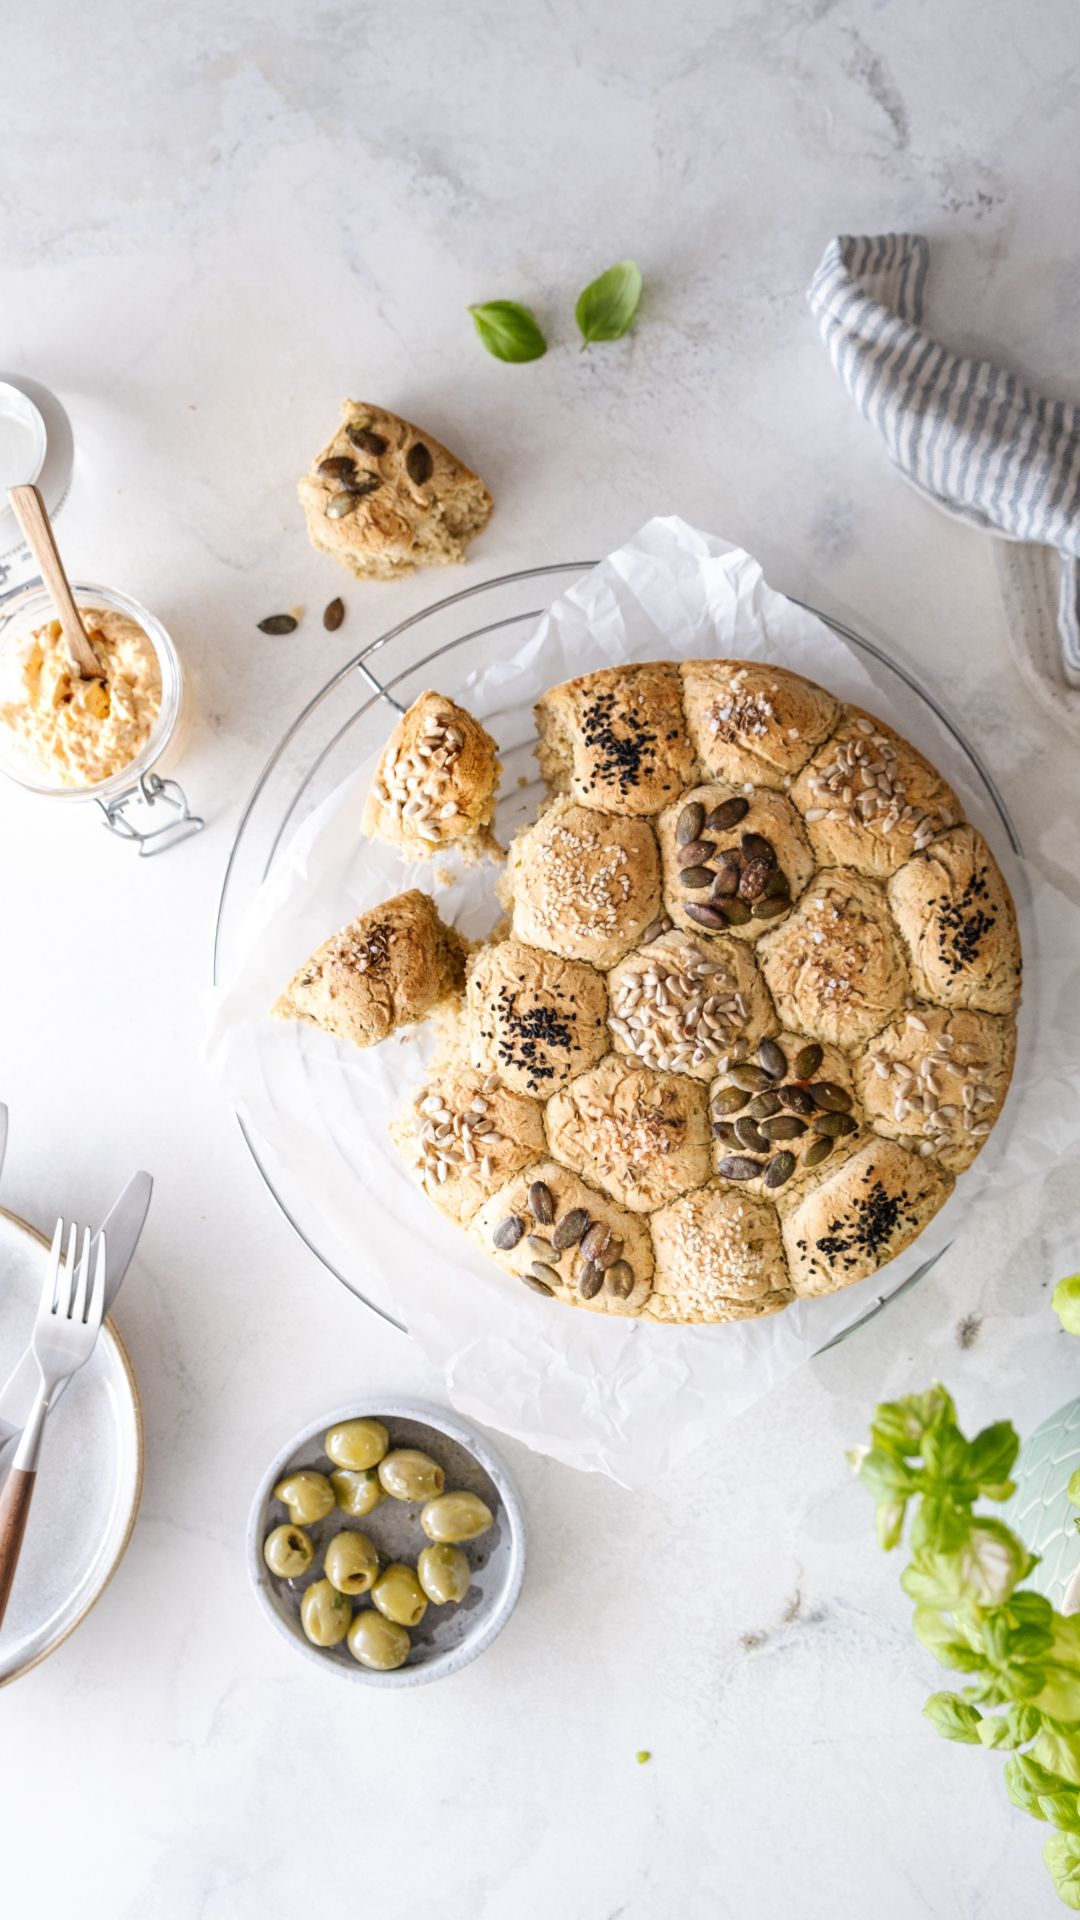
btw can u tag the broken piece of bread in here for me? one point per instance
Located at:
(383, 497)
(436, 782)
(385, 970)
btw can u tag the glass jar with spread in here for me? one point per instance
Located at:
(107, 739)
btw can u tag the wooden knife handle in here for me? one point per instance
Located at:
(15, 1497)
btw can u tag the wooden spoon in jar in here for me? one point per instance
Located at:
(30, 511)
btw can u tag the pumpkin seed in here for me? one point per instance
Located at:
(753, 1079)
(340, 505)
(419, 463)
(541, 1203)
(739, 1166)
(689, 823)
(777, 886)
(590, 1280)
(339, 467)
(729, 813)
(696, 878)
(731, 1100)
(620, 1280)
(543, 1250)
(727, 882)
(508, 1232)
(594, 1241)
(366, 440)
(786, 1126)
(780, 1168)
(750, 1135)
(763, 1105)
(756, 847)
(278, 623)
(835, 1124)
(537, 1282)
(570, 1228)
(826, 1093)
(608, 1254)
(770, 906)
(710, 917)
(817, 1151)
(753, 879)
(773, 1059)
(333, 615)
(798, 1099)
(696, 852)
(737, 913)
(724, 1132)
(808, 1061)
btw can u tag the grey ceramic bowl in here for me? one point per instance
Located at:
(447, 1637)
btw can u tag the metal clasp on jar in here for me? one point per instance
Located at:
(126, 813)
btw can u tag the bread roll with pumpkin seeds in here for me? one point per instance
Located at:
(617, 739)
(955, 912)
(384, 497)
(783, 1116)
(386, 969)
(566, 1241)
(732, 862)
(436, 782)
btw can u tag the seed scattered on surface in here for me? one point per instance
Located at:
(785, 1126)
(807, 1061)
(278, 623)
(817, 1151)
(773, 1059)
(365, 440)
(689, 824)
(508, 1233)
(705, 916)
(729, 813)
(570, 1228)
(590, 1280)
(333, 615)
(780, 1168)
(833, 1125)
(543, 1250)
(537, 1282)
(541, 1203)
(826, 1094)
(339, 467)
(619, 1280)
(731, 1100)
(419, 463)
(739, 1166)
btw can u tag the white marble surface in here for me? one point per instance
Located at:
(215, 222)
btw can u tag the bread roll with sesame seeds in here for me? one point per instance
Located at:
(869, 799)
(436, 782)
(584, 884)
(386, 969)
(617, 739)
(956, 915)
(533, 1018)
(719, 1256)
(751, 721)
(862, 1216)
(639, 1135)
(837, 969)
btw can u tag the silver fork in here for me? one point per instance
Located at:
(65, 1333)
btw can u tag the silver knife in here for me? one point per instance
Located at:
(122, 1224)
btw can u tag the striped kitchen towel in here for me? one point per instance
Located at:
(968, 434)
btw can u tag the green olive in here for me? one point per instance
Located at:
(357, 1443)
(444, 1573)
(351, 1562)
(378, 1643)
(407, 1474)
(288, 1552)
(307, 1494)
(357, 1491)
(324, 1614)
(399, 1596)
(456, 1516)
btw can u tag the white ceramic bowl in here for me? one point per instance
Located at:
(448, 1638)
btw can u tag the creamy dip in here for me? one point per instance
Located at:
(79, 731)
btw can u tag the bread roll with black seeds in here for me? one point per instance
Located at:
(862, 1216)
(534, 1018)
(958, 921)
(617, 739)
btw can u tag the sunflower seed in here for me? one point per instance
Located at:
(541, 1203)
(780, 1168)
(729, 813)
(338, 467)
(333, 615)
(619, 1280)
(807, 1061)
(750, 1135)
(278, 623)
(826, 1094)
(419, 463)
(817, 1151)
(508, 1233)
(570, 1228)
(710, 917)
(739, 1166)
(590, 1280)
(834, 1124)
(773, 1059)
(696, 852)
(367, 441)
(543, 1250)
(731, 1100)
(696, 878)
(537, 1282)
(786, 1126)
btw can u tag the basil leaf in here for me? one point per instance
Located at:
(508, 331)
(889, 1522)
(1065, 1301)
(607, 306)
(992, 1456)
(899, 1425)
(983, 1571)
(1058, 1749)
(953, 1718)
(1073, 1488)
(948, 1647)
(887, 1477)
(1062, 1856)
(1013, 1728)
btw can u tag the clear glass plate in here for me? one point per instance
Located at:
(349, 719)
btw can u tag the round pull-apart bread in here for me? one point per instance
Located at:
(752, 1013)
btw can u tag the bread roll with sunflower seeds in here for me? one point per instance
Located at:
(869, 799)
(436, 782)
